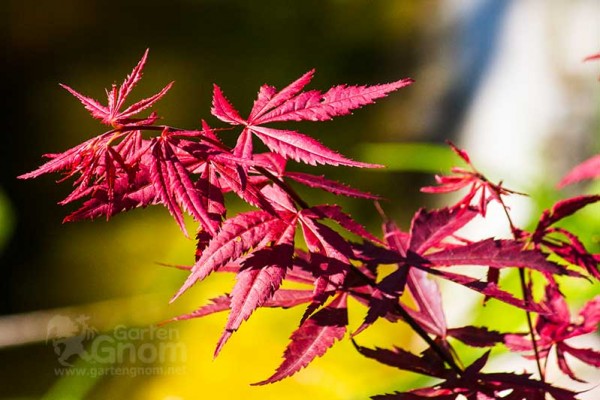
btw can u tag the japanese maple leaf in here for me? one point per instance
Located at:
(238, 235)
(313, 338)
(480, 189)
(259, 246)
(252, 231)
(426, 364)
(431, 247)
(471, 384)
(257, 282)
(108, 164)
(562, 242)
(109, 168)
(111, 114)
(174, 186)
(553, 329)
(589, 169)
(292, 104)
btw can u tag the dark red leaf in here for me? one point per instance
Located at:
(430, 228)
(334, 187)
(384, 298)
(261, 276)
(562, 209)
(427, 296)
(313, 338)
(405, 360)
(497, 254)
(476, 336)
(253, 229)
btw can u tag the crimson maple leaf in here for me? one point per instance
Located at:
(560, 241)
(111, 114)
(431, 247)
(554, 328)
(112, 168)
(589, 169)
(259, 247)
(291, 104)
(481, 190)
(471, 384)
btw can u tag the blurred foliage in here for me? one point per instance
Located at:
(7, 219)
(421, 157)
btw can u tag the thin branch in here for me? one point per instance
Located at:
(284, 186)
(444, 356)
(526, 297)
(536, 351)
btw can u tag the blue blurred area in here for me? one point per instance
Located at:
(472, 47)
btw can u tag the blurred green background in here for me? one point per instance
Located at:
(109, 271)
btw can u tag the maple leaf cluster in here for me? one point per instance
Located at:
(282, 238)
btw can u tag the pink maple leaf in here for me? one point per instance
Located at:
(291, 104)
(257, 282)
(480, 189)
(589, 169)
(112, 114)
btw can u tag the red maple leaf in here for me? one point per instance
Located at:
(291, 104)
(431, 247)
(589, 169)
(560, 241)
(312, 339)
(554, 328)
(481, 189)
(111, 114)
(472, 383)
